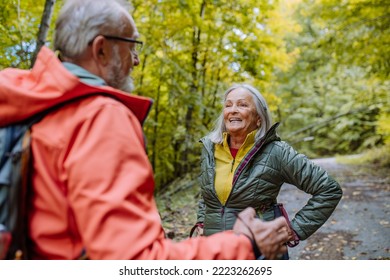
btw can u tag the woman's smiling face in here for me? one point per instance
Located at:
(239, 113)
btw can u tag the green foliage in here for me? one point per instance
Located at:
(360, 26)
(198, 50)
(379, 156)
(383, 127)
(19, 24)
(338, 89)
(322, 65)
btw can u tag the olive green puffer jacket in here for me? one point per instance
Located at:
(257, 182)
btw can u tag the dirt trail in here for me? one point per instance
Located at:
(360, 226)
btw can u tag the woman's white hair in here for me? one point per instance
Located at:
(216, 135)
(80, 21)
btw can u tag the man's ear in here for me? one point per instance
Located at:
(101, 50)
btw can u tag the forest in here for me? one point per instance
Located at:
(323, 66)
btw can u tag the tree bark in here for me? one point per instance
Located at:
(43, 28)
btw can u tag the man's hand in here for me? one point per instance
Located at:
(270, 237)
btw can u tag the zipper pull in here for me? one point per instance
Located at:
(223, 210)
(231, 170)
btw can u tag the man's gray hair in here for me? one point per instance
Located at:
(216, 135)
(80, 21)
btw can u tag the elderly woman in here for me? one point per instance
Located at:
(244, 163)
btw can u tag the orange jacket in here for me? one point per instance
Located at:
(92, 181)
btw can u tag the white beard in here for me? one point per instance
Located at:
(115, 77)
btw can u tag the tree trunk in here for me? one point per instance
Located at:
(194, 88)
(43, 28)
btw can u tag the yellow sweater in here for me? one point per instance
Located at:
(226, 165)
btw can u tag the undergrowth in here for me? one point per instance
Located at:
(379, 156)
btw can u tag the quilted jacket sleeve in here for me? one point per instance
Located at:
(326, 193)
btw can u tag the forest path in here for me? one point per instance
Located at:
(360, 226)
(358, 229)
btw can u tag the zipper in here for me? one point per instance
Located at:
(246, 161)
(222, 218)
(231, 170)
(224, 206)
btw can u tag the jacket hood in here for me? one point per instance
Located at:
(24, 93)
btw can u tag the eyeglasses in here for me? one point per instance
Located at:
(135, 49)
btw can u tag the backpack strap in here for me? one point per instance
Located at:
(19, 195)
(19, 238)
